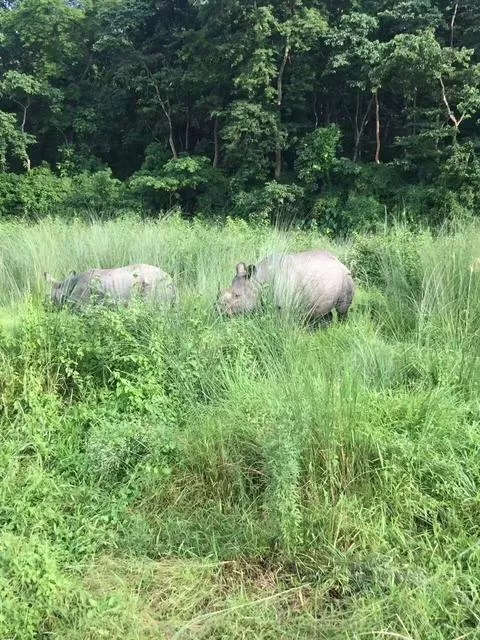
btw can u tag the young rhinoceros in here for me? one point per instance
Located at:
(118, 284)
(311, 282)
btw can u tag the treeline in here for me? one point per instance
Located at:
(334, 111)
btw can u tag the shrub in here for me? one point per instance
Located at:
(10, 198)
(34, 593)
(116, 444)
(179, 181)
(375, 258)
(317, 155)
(274, 202)
(32, 195)
(41, 193)
(98, 193)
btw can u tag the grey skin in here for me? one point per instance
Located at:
(311, 282)
(118, 284)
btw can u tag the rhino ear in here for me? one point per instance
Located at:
(48, 278)
(241, 270)
(251, 270)
(73, 272)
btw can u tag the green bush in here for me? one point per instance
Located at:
(10, 200)
(95, 192)
(317, 156)
(33, 195)
(42, 193)
(333, 214)
(185, 181)
(375, 259)
(35, 594)
(117, 443)
(274, 203)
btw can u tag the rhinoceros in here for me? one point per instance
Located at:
(118, 284)
(311, 282)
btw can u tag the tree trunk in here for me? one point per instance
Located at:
(356, 136)
(187, 130)
(216, 143)
(168, 114)
(171, 141)
(454, 136)
(452, 22)
(28, 163)
(414, 123)
(377, 126)
(165, 105)
(360, 128)
(278, 161)
(278, 149)
(456, 121)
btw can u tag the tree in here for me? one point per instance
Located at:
(250, 85)
(280, 34)
(22, 89)
(12, 142)
(460, 87)
(355, 56)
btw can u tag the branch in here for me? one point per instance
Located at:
(450, 112)
(216, 144)
(24, 119)
(452, 23)
(165, 105)
(281, 71)
(167, 113)
(62, 132)
(377, 127)
(278, 150)
(357, 109)
(24, 108)
(365, 116)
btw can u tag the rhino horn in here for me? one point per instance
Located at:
(241, 270)
(48, 278)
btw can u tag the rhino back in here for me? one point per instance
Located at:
(122, 282)
(313, 280)
(154, 282)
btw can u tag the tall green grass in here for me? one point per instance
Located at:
(177, 475)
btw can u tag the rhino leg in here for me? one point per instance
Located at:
(345, 300)
(146, 289)
(315, 322)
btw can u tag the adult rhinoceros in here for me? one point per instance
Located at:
(118, 284)
(311, 282)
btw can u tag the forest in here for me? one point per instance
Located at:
(172, 472)
(338, 113)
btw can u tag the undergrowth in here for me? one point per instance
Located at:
(177, 475)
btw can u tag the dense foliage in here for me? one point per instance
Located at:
(336, 111)
(183, 476)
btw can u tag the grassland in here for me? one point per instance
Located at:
(180, 475)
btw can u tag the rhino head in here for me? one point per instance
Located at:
(243, 294)
(59, 290)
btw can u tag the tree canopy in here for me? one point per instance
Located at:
(321, 105)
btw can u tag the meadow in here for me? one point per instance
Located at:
(180, 475)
